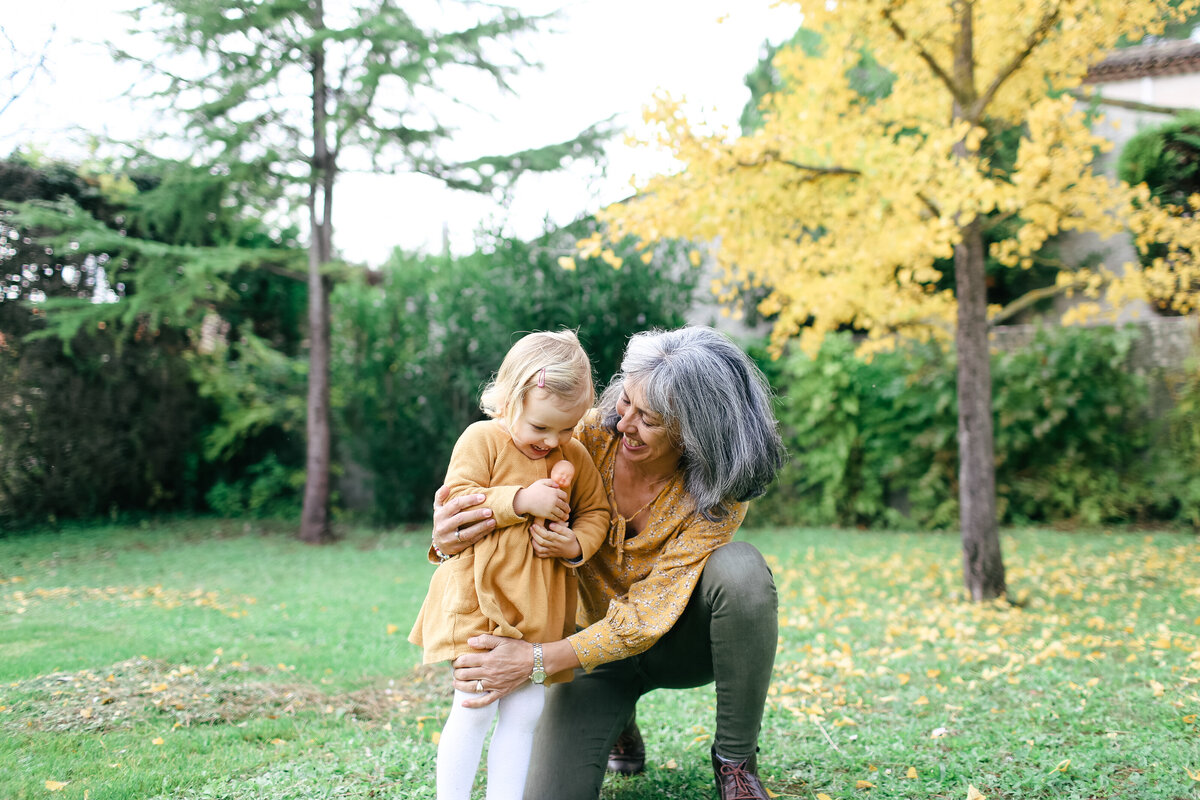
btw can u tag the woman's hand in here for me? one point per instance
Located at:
(459, 523)
(500, 666)
(555, 540)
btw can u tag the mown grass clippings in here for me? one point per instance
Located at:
(142, 689)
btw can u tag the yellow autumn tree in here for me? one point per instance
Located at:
(840, 205)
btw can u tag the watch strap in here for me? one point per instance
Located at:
(539, 666)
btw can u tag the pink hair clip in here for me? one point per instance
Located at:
(542, 379)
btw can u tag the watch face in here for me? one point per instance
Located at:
(539, 676)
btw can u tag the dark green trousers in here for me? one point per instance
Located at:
(727, 635)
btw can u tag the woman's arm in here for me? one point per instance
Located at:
(636, 618)
(502, 665)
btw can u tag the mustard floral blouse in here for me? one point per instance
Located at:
(634, 589)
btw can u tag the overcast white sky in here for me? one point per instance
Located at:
(607, 58)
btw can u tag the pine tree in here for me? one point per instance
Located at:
(290, 91)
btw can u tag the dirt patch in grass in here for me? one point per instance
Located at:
(141, 689)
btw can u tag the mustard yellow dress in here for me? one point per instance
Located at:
(499, 585)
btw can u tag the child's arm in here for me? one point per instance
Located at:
(470, 471)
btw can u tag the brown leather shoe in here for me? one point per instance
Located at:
(628, 756)
(738, 780)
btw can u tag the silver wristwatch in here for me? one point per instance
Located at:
(539, 669)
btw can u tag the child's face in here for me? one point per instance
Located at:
(546, 422)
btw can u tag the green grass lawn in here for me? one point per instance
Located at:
(215, 659)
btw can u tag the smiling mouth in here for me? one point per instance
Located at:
(632, 443)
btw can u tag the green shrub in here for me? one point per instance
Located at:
(1179, 476)
(1072, 432)
(268, 490)
(869, 440)
(873, 443)
(107, 407)
(111, 426)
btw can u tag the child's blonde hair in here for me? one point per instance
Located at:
(551, 361)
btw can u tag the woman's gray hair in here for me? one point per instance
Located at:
(716, 405)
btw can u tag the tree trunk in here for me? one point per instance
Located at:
(314, 519)
(983, 567)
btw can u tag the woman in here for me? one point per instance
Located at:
(683, 437)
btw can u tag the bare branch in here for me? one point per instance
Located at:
(1132, 105)
(1034, 296)
(773, 157)
(1035, 38)
(933, 209)
(31, 70)
(938, 69)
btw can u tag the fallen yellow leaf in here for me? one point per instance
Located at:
(56, 786)
(1062, 765)
(157, 740)
(912, 772)
(671, 765)
(392, 629)
(863, 785)
(823, 796)
(435, 737)
(1193, 775)
(974, 794)
(921, 701)
(903, 677)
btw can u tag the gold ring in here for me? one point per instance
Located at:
(478, 687)
(458, 536)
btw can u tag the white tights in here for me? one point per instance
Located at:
(508, 755)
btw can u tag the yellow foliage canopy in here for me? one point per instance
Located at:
(841, 204)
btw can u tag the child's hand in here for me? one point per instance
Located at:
(555, 540)
(542, 499)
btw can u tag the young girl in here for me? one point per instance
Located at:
(499, 585)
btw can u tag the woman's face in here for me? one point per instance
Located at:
(645, 439)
